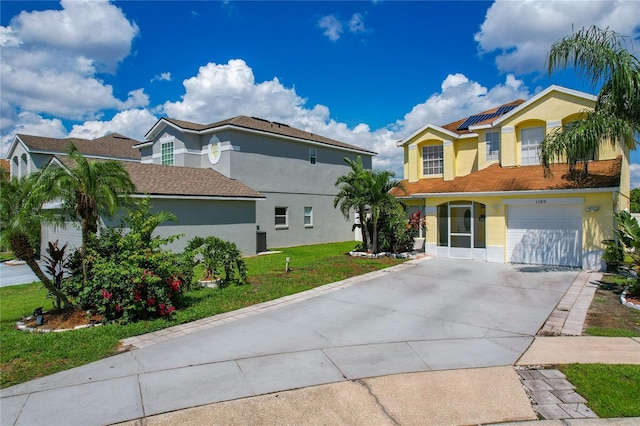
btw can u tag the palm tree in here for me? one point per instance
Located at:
(601, 57)
(379, 199)
(90, 189)
(366, 190)
(351, 195)
(21, 215)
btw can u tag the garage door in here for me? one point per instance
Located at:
(545, 235)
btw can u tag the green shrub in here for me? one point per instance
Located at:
(217, 256)
(131, 276)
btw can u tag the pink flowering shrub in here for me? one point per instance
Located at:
(132, 277)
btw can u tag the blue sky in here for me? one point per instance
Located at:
(367, 73)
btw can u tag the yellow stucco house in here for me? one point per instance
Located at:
(485, 196)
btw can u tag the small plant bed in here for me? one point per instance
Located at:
(611, 390)
(60, 320)
(607, 316)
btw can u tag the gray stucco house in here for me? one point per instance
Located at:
(247, 180)
(295, 170)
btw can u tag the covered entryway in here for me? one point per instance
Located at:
(545, 231)
(461, 229)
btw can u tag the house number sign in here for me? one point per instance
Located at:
(541, 201)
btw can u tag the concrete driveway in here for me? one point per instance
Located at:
(425, 315)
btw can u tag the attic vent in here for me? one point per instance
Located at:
(261, 119)
(281, 124)
(481, 117)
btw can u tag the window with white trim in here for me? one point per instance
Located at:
(282, 217)
(313, 156)
(432, 160)
(166, 151)
(308, 217)
(530, 140)
(492, 140)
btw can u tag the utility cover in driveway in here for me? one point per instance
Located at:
(544, 235)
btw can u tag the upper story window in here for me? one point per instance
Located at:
(530, 144)
(492, 140)
(432, 160)
(313, 156)
(167, 153)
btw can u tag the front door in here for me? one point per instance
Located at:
(461, 230)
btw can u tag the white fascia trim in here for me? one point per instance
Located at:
(143, 145)
(403, 142)
(163, 123)
(468, 136)
(545, 92)
(13, 145)
(198, 197)
(480, 127)
(512, 193)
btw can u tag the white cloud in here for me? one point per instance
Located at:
(134, 123)
(459, 98)
(332, 27)
(356, 23)
(521, 32)
(50, 60)
(30, 124)
(165, 76)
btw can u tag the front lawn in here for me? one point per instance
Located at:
(611, 390)
(25, 356)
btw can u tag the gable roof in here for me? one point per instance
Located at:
(253, 124)
(495, 178)
(113, 145)
(493, 116)
(171, 181)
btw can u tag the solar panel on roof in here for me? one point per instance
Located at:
(481, 117)
(505, 109)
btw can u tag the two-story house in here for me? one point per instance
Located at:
(485, 195)
(295, 170)
(246, 180)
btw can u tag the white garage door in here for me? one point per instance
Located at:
(545, 235)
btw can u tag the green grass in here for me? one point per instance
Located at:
(610, 332)
(6, 255)
(611, 390)
(25, 356)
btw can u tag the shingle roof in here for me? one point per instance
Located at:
(495, 178)
(453, 127)
(109, 146)
(4, 164)
(156, 179)
(262, 125)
